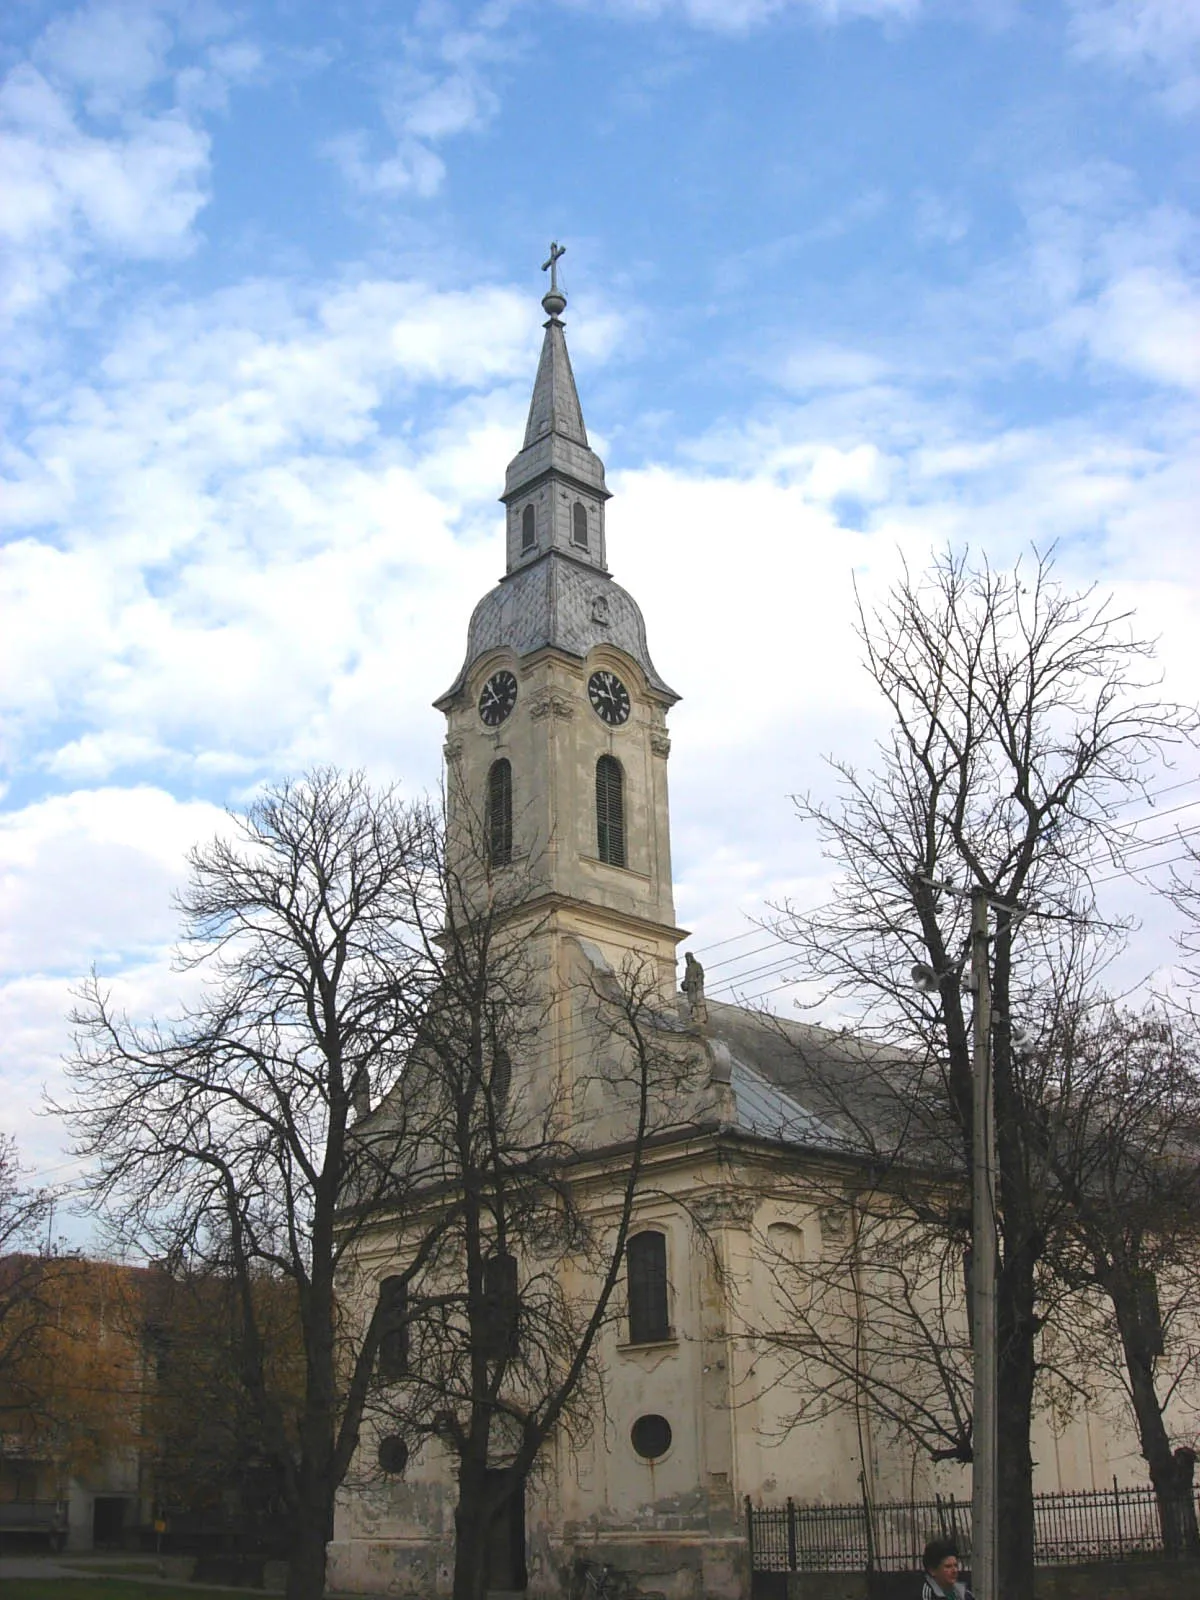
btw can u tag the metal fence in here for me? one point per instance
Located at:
(1085, 1525)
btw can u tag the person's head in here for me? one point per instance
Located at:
(941, 1562)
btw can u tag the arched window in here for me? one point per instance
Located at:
(501, 1303)
(499, 813)
(393, 1338)
(579, 533)
(646, 1275)
(610, 812)
(528, 531)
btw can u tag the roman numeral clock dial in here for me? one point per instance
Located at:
(498, 698)
(609, 697)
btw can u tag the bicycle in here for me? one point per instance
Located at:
(598, 1580)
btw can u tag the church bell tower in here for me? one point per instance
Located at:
(556, 724)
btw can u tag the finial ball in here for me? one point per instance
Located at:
(554, 302)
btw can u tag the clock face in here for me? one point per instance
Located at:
(609, 697)
(498, 698)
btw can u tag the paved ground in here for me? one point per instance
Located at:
(178, 1570)
(33, 1567)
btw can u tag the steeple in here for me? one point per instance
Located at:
(554, 489)
(556, 591)
(556, 731)
(555, 405)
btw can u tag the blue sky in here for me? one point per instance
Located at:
(847, 282)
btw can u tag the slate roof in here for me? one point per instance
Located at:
(800, 1083)
(553, 602)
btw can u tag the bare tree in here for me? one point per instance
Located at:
(28, 1261)
(1021, 725)
(366, 1061)
(536, 1174)
(1121, 1139)
(203, 1446)
(226, 1136)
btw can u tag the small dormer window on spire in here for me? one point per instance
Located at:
(579, 527)
(528, 529)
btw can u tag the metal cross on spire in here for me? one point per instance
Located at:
(554, 301)
(551, 266)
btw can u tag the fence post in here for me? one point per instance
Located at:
(791, 1511)
(1120, 1538)
(750, 1530)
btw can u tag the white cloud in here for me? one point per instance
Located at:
(1148, 320)
(829, 366)
(219, 543)
(438, 90)
(939, 220)
(102, 150)
(66, 191)
(1159, 39)
(735, 16)
(1114, 279)
(87, 876)
(113, 52)
(411, 166)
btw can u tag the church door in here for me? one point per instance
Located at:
(506, 1541)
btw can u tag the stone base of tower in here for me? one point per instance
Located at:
(369, 1565)
(668, 1565)
(676, 1565)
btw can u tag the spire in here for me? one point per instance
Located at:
(556, 473)
(555, 405)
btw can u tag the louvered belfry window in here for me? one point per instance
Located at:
(579, 527)
(528, 529)
(610, 812)
(646, 1271)
(499, 813)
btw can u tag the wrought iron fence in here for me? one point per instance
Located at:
(1084, 1525)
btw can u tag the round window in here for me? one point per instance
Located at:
(393, 1455)
(651, 1437)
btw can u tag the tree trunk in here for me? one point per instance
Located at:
(1016, 1370)
(1171, 1473)
(471, 1531)
(306, 1559)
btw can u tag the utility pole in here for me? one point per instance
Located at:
(983, 1263)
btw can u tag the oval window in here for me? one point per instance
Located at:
(651, 1437)
(393, 1455)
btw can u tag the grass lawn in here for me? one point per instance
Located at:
(108, 1589)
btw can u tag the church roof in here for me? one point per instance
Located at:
(796, 1082)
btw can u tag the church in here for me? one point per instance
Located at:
(556, 725)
